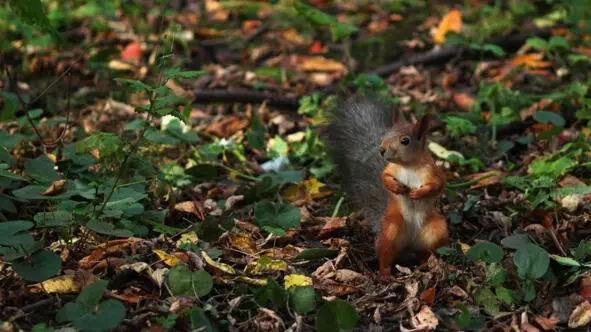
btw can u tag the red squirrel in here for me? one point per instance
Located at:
(389, 174)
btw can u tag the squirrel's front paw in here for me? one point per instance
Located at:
(418, 193)
(398, 188)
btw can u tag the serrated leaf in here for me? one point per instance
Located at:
(277, 215)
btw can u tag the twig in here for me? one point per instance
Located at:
(24, 104)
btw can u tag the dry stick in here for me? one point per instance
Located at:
(509, 43)
(24, 105)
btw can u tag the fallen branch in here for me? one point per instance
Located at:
(245, 96)
(509, 43)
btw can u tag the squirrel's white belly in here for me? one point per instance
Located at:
(414, 212)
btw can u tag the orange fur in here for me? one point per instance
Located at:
(433, 232)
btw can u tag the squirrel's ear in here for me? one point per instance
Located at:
(422, 127)
(394, 116)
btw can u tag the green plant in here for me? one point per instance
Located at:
(88, 313)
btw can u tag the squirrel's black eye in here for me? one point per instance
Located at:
(404, 140)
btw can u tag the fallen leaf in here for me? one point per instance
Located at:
(265, 265)
(546, 323)
(189, 238)
(168, 259)
(220, 266)
(330, 225)
(56, 188)
(62, 285)
(132, 53)
(581, 316)
(194, 207)
(428, 295)
(464, 101)
(253, 281)
(585, 287)
(243, 242)
(494, 177)
(322, 64)
(425, 319)
(349, 276)
(228, 126)
(297, 280)
(452, 21)
(531, 61)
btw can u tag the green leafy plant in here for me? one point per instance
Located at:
(88, 313)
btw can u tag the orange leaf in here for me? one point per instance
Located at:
(132, 53)
(452, 21)
(531, 61)
(464, 101)
(227, 127)
(319, 63)
(428, 295)
(331, 225)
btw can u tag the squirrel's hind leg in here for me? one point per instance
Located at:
(433, 235)
(388, 245)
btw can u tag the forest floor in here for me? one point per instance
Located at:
(161, 166)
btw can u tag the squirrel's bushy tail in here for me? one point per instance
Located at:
(353, 136)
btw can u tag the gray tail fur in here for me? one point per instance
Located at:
(353, 136)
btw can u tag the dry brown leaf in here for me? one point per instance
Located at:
(585, 287)
(530, 111)
(428, 295)
(581, 316)
(228, 126)
(330, 225)
(215, 11)
(56, 188)
(322, 64)
(494, 178)
(194, 207)
(425, 319)
(243, 242)
(349, 276)
(546, 323)
(464, 101)
(452, 21)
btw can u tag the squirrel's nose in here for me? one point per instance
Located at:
(382, 151)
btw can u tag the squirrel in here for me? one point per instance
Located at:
(388, 173)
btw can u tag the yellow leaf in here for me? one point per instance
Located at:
(168, 259)
(265, 264)
(243, 242)
(56, 188)
(465, 247)
(253, 281)
(220, 266)
(190, 238)
(313, 186)
(297, 280)
(62, 284)
(452, 21)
